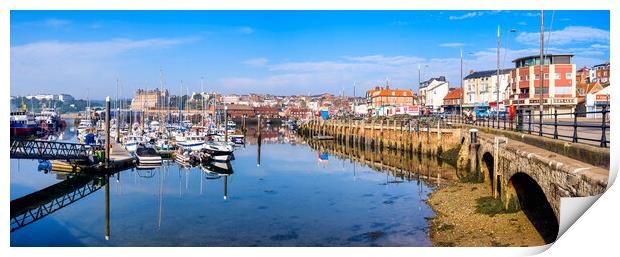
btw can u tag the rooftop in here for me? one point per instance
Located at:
(454, 93)
(486, 73)
(538, 56)
(390, 92)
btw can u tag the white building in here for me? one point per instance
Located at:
(231, 99)
(481, 89)
(360, 109)
(50, 97)
(596, 101)
(313, 105)
(432, 92)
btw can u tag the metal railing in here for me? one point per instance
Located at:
(35, 206)
(50, 150)
(590, 127)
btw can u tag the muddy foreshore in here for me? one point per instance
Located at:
(467, 215)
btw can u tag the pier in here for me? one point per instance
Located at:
(51, 150)
(523, 171)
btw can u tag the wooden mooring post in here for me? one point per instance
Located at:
(107, 132)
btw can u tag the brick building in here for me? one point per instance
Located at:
(559, 83)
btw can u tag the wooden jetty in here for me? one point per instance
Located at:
(119, 157)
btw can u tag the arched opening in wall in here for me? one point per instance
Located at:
(534, 204)
(487, 162)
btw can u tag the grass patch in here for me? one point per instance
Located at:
(445, 227)
(475, 178)
(498, 244)
(451, 155)
(491, 206)
(445, 244)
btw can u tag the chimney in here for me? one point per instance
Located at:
(471, 71)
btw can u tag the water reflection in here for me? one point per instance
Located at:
(273, 194)
(398, 164)
(35, 206)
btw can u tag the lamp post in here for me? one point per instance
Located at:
(542, 61)
(462, 92)
(462, 83)
(497, 88)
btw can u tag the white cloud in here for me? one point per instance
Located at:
(522, 23)
(472, 15)
(56, 23)
(96, 25)
(332, 75)
(72, 66)
(245, 30)
(455, 44)
(466, 16)
(256, 62)
(400, 23)
(568, 35)
(599, 46)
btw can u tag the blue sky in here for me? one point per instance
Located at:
(279, 52)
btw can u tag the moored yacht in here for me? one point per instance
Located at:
(131, 142)
(84, 125)
(219, 151)
(193, 142)
(148, 156)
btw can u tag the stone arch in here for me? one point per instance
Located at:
(525, 192)
(487, 168)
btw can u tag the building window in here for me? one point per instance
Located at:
(536, 76)
(537, 90)
(546, 75)
(558, 75)
(604, 73)
(569, 75)
(564, 90)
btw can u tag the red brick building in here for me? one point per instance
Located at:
(559, 83)
(452, 101)
(297, 113)
(601, 73)
(267, 112)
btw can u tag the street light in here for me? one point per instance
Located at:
(462, 82)
(420, 79)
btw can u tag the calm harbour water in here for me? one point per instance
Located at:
(298, 196)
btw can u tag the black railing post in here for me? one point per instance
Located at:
(529, 122)
(555, 124)
(603, 128)
(540, 123)
(575, 128)
(520, 121)
(505, 118)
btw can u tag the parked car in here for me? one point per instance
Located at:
(502, 115)
(481, 113)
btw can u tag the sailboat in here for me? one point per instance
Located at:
(148, 156)
(218, 151)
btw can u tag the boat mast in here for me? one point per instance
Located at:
(187, 102)
(202, 90)
(88, 102)
(118, 108)
(159, 96)
(180, 103)
(217, 122)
